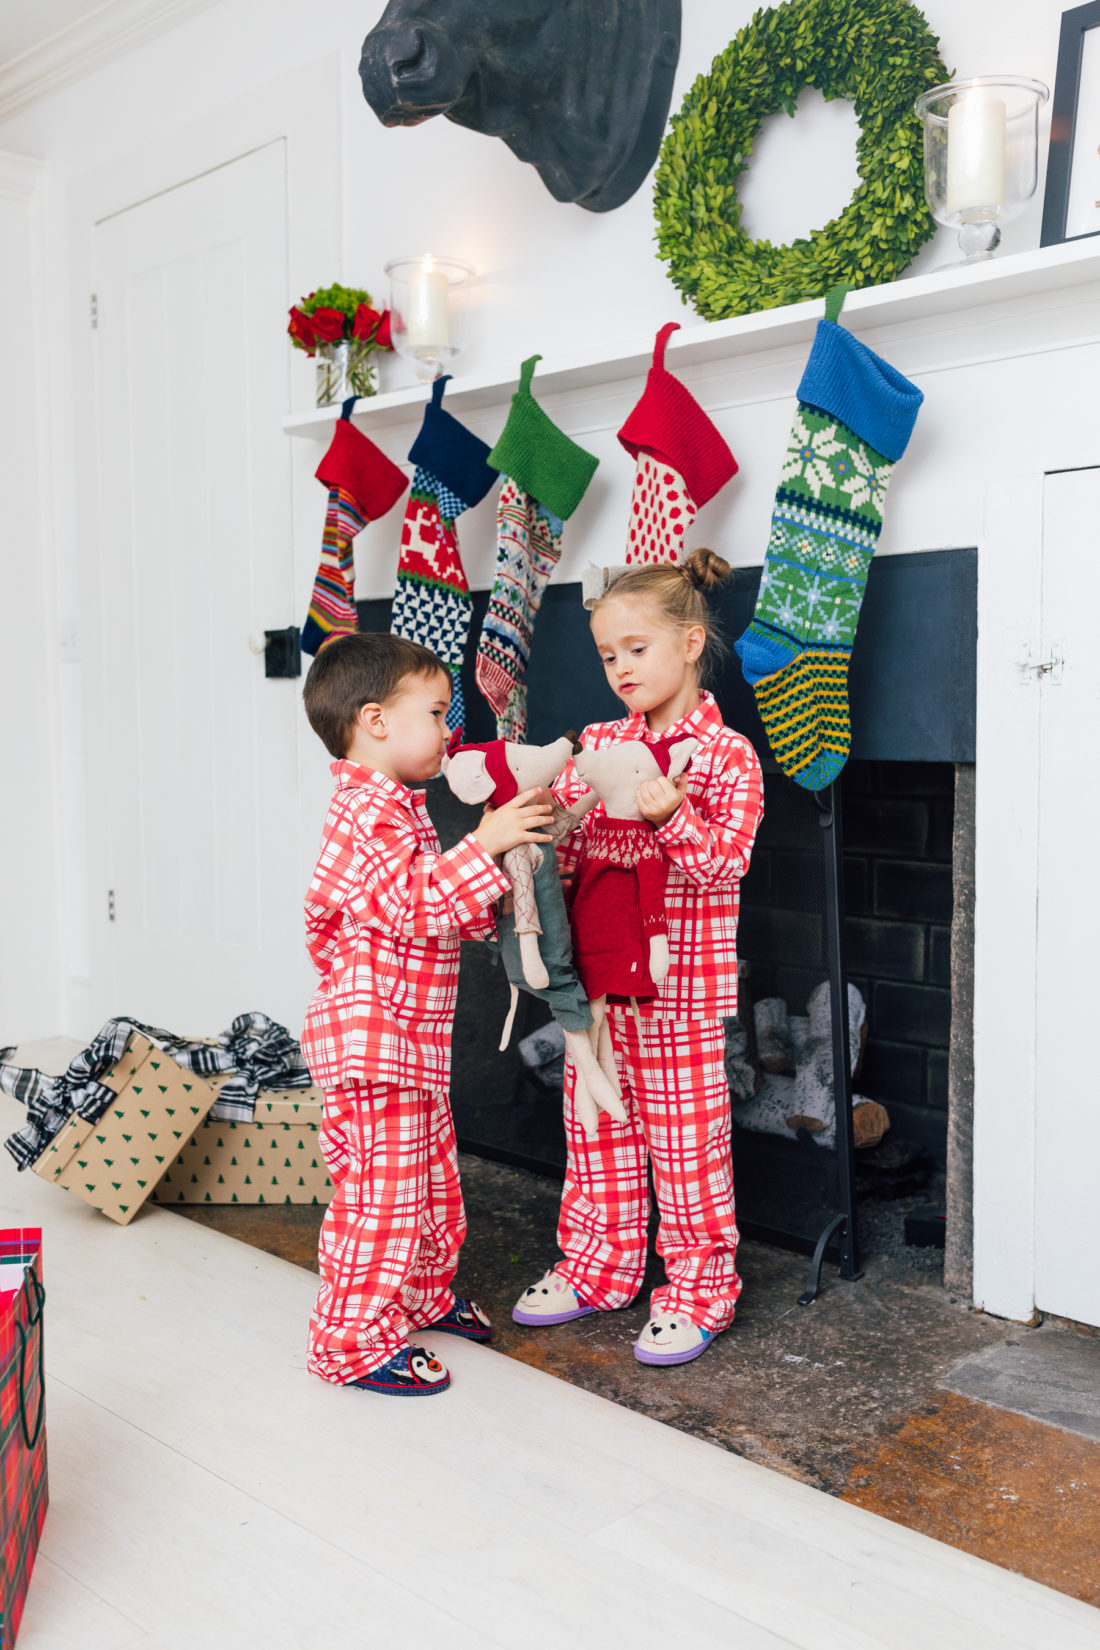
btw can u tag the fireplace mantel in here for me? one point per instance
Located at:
(921, 307)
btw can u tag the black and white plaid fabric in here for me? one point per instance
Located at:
(261, 1053)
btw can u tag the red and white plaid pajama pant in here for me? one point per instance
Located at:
(678, 1113)
(390, 1237)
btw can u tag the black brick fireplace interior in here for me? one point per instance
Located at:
(897, 821)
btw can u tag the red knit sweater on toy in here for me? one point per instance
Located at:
(618, 905)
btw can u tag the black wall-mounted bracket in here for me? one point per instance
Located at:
(283, 652)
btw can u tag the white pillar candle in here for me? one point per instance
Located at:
(975, 152)
(427, 324)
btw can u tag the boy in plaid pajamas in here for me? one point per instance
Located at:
(653, 632)
(384, 914)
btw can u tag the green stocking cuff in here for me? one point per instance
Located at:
(538, 455)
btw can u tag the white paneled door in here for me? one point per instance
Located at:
(192, 751)
(1067, 1139)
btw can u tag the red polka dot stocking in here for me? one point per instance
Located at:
(682, 461)
(661, 511)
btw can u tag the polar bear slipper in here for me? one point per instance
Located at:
(671, 1338)
(550, 1300)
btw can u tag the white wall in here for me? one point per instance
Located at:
(30, 941)
(552, 276)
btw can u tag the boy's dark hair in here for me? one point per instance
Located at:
(360, 668)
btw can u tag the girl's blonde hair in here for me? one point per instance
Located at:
(679, 592)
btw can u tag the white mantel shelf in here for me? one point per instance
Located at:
(930, 298)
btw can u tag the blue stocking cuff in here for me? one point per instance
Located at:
(850, 382)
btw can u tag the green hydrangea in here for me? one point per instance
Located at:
(344, 298)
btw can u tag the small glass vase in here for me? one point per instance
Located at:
(981, 155)
(347, 368)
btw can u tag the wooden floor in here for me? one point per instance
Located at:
(205, 1491)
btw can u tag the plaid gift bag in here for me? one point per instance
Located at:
(23, 1493)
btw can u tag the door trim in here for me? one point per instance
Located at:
(1010, 565)
(303, 109)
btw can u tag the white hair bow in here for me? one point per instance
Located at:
(596, 582)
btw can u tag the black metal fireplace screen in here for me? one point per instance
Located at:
(797, 1189)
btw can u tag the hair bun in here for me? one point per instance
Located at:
(706, 569)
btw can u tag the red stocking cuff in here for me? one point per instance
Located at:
(669, 423)
(352, 462)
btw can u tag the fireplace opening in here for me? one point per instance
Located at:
(908, 842)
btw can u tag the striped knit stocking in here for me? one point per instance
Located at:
(432, 600)
(545, 477)
(362, 485)
(332, 605)
(855, 416)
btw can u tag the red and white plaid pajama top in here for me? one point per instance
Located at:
(384, 914)
(708, 841)
(673, 1072)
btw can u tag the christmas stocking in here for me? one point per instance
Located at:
(362, 485)
(432, 601)
(855, 416)
(544, 477)
(682, 461)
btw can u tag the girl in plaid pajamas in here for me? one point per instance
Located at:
(384, 913)
(654, 637)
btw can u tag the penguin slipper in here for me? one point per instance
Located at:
(412, 1372)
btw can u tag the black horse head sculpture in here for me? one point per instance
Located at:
(580, 88)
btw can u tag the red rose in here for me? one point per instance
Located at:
(328, 324)
(301, 331)
(383, 337)
(366, 319)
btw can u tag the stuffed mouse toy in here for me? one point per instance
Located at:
(534, 934)
(620, 934)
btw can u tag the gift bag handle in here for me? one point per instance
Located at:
(33, 1319)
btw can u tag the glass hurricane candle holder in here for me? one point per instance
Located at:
(981, 155)
(428, 310)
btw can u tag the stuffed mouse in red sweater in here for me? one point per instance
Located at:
(620, 935)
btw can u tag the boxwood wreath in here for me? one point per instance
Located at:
(881, 54)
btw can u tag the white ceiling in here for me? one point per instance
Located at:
(26, 23)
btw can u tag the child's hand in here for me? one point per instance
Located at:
(658, 799)
(524, 819)
(565, 876)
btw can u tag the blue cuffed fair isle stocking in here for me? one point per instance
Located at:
(855, 416)
(432, 601)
